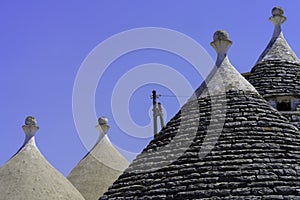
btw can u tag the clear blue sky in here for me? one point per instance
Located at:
(43, 44)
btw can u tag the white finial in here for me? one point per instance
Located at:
(277, 19)
(102, 126)
(30, 128)
(221, 44)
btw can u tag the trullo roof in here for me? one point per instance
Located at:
(227, 143)
(29, 176)
(277, 71)
(99, 168)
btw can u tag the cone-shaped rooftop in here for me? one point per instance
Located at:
(28, 175)
(278, 48)
(277, 71)
(224, 77)
(225, 144)
(99, 168)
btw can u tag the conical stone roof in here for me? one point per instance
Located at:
(224, 144)
(99, 168)
(277, 71)
(29, 176)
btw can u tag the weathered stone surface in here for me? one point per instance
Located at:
(277, 71)
(254, 156)
(100, 167)
(246, 162)
(28, 175)
(268, 79)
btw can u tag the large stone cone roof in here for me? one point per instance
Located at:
(277, 71)
(255, 155)
(98, 170)
(29, 176)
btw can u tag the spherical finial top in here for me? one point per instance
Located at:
(30, 121)
(221, 35)
(102, 126)
(277, 11)
(221, 44)
(103, 120)
(30, 128)
(277, 19)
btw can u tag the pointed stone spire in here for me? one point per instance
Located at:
(224, 77)
(278, 48)
(28, 175)
(100, 167)
(276, 72)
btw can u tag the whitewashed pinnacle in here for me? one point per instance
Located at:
(30, 128)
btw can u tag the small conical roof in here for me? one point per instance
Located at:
(278, 48)
(226, 143)
(223, 77)
(28, 175)
(99, 168)
(277, 70)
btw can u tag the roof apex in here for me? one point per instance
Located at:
(224, 77)
(28, 175)
(278, 48)
(30, 128)
(100, 167)
(221, 44)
